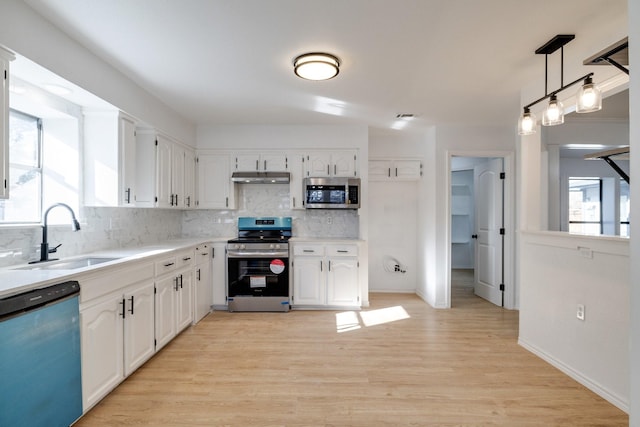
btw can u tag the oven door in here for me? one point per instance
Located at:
(258, 276)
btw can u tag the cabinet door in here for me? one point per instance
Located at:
(164, 160)
(343, 164)
(177, 176)
(214, 182)
(379, 170)
(318, 165)
(5, 56)
(189, 179)
(127, 141)
(274, 162)
(139, 332)
(247, 162)
(296, 191)
(219, 276)
(184, 300)
(203, 288)
(309, 281)
(407, 170)
(102, 349)
(342, 281)
(165, 309)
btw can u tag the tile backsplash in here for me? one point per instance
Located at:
(110, 228)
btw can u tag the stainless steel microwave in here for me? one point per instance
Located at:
(332, 193)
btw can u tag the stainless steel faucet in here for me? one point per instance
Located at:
(44, 246)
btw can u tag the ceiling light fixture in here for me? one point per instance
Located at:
(316, 66)
(589, 97)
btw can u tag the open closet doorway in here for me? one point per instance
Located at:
(477, 208)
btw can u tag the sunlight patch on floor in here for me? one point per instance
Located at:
(349, 321)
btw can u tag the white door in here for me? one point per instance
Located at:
(489, 221)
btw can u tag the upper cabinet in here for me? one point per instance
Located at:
(163, 171)
(334, 163)
(395, 169)
(5, 58)
(215, 189)
(109, 159)
(272, 162)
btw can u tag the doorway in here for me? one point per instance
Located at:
(478, 237)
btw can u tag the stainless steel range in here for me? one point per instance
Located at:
(258, 265)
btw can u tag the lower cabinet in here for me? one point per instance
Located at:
(173, 302)
(325, 275)
(203, 287)
(117, 337)
(219, 275)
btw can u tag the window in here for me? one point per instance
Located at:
(585, 205)
(625, 204)
(25, 170)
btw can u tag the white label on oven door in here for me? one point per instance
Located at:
(277, 266)
(258, 281)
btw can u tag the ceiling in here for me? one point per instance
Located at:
(230, 62)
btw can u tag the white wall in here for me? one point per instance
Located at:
(554, 277)
(28, 34)
(394, 215)
(561, 272)
(634, 134)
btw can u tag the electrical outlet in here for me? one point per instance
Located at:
(585, 252)
(580, 312)
(329, 220)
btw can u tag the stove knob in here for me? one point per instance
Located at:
(243, 246)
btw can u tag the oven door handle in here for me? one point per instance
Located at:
(239, 254)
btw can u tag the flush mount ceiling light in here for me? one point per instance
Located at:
(316, 66)
(589, 97)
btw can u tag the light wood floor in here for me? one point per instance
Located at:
(436, 367)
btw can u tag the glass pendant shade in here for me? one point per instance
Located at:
(589, 97)
(316, 66)
(527, 123)
(554, 114)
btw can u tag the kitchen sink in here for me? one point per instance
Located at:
(71, 264)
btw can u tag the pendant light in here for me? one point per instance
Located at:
(554, 114)
(527, 123)
(589, 97)
(316, 66)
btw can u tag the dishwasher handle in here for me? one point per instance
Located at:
(36, 298)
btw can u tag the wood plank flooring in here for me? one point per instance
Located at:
(397, 363)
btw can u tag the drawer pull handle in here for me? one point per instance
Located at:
(341, 251)
(311, 251)
(169, 265)
(186, 259)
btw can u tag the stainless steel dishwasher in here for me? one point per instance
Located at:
(40, 357)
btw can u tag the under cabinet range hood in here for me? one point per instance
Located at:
(260, 177)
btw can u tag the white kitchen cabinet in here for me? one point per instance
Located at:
(5, 58)
(203, 288)
(261, 162)
(296, 180)
(189, 199)
(219, 275)
(395, 169)
(109, 159)
(161, 170)
(173, 296)
(215, 189)
(325, 275)
(334, 163)
(117, 337)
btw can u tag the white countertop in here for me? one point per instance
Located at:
(13, 280)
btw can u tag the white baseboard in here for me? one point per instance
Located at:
(598, 389)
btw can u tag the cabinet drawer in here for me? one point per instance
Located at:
(165, 265)
(342, 250)
(310, 250)
(185, 259)
(203, 253)
(97, 284)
